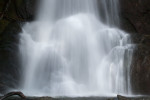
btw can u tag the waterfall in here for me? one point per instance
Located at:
(74, 48)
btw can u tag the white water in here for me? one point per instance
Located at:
(69, 51)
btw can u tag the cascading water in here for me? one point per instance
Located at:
(69, 51)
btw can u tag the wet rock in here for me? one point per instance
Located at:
(9, 66)
(18, 12)
(64, 98)
(133, 97)
(140, 70)
(135, 15)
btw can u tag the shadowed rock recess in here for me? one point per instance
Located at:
(135, 19)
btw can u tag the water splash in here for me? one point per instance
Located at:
(69, 51)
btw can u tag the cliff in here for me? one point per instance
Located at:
(135, 19)
(13, 13)
(135, 16)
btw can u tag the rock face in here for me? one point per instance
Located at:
(64, 98)
(8, 57)
(119, 97)
(135, 16)
(13, 13)
(136, 13)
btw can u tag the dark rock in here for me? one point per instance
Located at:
(64, 98)
(137, 15)
(9, 66)
(28, 10)
(133, 97)
(19, 11)
(140, 70)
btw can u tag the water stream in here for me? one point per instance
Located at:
(74, 48)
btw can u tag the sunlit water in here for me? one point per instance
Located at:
(73, 50)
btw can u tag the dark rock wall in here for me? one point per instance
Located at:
(9, 71)
(135, 15)
(11, 20)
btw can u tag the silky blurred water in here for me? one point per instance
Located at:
(74, 48)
